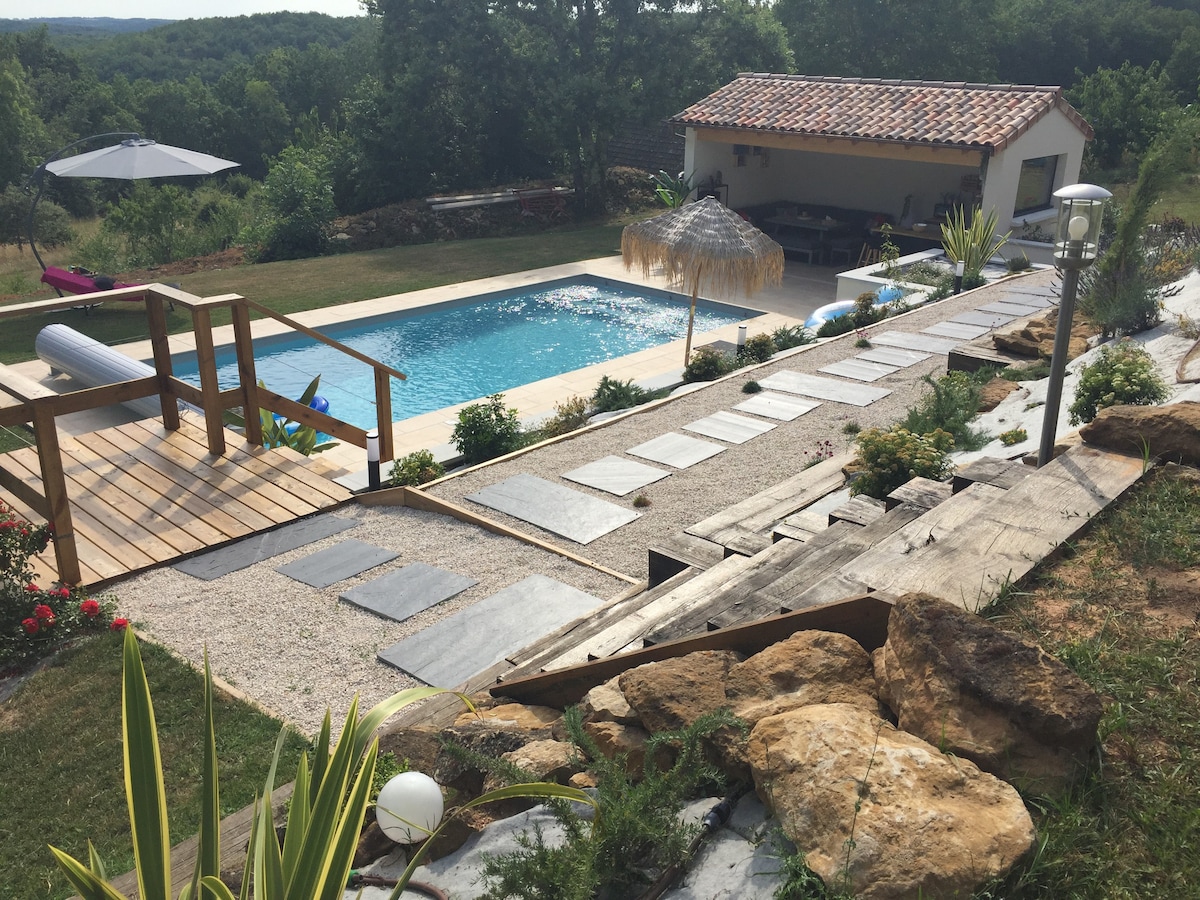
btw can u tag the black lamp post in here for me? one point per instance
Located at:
(1076, 245)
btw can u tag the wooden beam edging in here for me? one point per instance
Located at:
(863, 617)
(414, 498)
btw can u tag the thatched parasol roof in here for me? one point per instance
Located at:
(704, 242)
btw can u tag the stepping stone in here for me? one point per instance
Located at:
(727, 426)
(461, 646)
(777, 406)
(1028, 300)
(1010, 309)
(571, 514)
(616, 475)
(914, 342)
(859, 370)
(405, 592)
(676, 450)
(1037, 290)
(956, 330)
(893, 357)
(989, 320)
(824, 388)
(337, 563)
(254, 549)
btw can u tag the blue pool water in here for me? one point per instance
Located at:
(467, 349)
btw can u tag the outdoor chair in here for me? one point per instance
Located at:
(869, 255)
(844, 246)
(809, 248)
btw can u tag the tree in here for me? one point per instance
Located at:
(21, 132)
(152, 220)
(296, 206)
(1125, 107)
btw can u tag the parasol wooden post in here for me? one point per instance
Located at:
(687, 347)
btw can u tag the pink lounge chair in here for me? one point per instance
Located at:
(76, 283)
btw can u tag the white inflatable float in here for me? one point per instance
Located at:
(823, 314)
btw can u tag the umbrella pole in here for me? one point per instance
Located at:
(687, 347)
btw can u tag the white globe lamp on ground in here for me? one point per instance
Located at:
(409, 807)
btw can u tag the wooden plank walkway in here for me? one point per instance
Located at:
(141, 495)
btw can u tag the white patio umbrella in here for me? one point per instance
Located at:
(703, 243)
(134, 157)
(138, 158)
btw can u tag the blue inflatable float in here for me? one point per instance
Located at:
(823, 314)
(319, 403)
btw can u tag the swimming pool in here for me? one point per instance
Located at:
(465, 349)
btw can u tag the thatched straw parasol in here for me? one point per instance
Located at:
(704, 243)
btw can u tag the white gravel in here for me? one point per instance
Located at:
(298, 650)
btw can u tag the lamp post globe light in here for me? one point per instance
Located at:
(1076, 246)
(409, 807)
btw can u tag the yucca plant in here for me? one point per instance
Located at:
(972, 244)
(324, 819)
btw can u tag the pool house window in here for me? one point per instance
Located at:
(1036, 184)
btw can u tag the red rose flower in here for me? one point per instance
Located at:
(42, 611)
(31, 588)
(61, 592)
(119, 624)
(30, 625)
(90, 608)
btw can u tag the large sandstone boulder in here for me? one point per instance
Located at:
(960, 683)
(1034, 337)
(606, 703)
(882, 812)
(808, 667)
(1170, 432)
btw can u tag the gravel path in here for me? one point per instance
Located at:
(299, 650)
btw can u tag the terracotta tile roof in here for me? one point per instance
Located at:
(910, 112)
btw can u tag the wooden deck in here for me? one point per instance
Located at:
(141, 495)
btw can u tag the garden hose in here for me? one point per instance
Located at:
(713, 820)
(357, 879)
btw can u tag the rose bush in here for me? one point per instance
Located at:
(34, 619)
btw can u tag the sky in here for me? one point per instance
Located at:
(170, 9)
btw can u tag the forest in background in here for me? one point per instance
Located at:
(339, 115)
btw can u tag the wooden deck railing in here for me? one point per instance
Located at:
(38, 406)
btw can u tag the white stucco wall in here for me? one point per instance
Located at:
(1052, 135)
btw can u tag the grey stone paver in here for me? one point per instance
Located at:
(893, 356)
(914, 342)
(956, 330)
(336, 563)
(677, 450)
(824, 388)
(407, 591)
(1018, 310)
(772, 405)
(451, 651)
(730, 427)
(616, 475)
(560, 510)
(858, 369)
(989, 320)
(1035, 300)
(248, 551)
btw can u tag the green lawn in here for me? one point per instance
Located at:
(60, 752)
(298, 285)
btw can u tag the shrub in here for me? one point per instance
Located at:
(1124, 374)
(486, 430)
(787, 336)
(612, 395)
(757, 349)
(951, 406)
(1125, 300)
(417, 468)
(568, 416)
(842, 324)
(35, 619)
(751, 387)
(896, 456)
(1018, 263)
(1013, 436)
(707, 364)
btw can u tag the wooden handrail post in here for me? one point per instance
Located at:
(248, 380)
(156, 317)
(210, 390)
(383, 413)
(54, 483)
